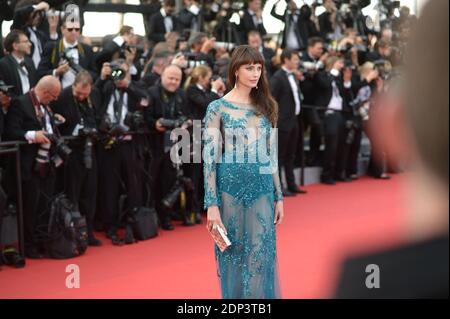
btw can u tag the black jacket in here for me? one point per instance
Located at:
(52, 53)
(107, 88)
(324, 89)
(157, 29)
(198, 101)
(304, 28)
(106, 54)
(20, 19)
(248, 25)
(66, 106)
(20, 119)
(282, 92)
(10, 74)
(160, 107)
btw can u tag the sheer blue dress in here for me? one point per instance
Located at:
(241, 178)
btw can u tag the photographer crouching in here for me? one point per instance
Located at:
(78, 104)
(117, 150)
(167, 111)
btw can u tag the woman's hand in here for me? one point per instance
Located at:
(214, 219)
(279, 213)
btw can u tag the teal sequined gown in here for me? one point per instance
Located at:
(245, 192)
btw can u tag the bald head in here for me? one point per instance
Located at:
(171, 78)
(48, 89)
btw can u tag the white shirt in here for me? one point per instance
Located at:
(119, 40)
(336, 98)
(168, 23)
(295, 91)
(30, 136)
(37, 46)
(23, 74)
(291, 38)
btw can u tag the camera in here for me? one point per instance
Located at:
(229, 46)
(117, 73)
(74, 66)
(62, 151)
(89, 134)
(56, 158)
(135, 121)
(182, 183)
(193, 60)
(173, 123)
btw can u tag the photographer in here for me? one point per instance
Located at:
(189, 15)
(312, 61)
(333, 93)
(252, 20)
(382, 52)
(163, 22)
(30, 119)
(117, 153)
(17, 69)
(78, 104)
(116, 48)
(200, 50)
(27, 17)
(167, 102)
(67, 57)
(363, 87)
(298, 26)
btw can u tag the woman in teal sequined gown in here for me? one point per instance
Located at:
(242, 187)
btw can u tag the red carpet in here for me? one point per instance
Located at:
(319, 230)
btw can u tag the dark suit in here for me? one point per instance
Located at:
(311, 116)
(20, 19)
(120, 163)
(288, 124)
(157, 28)
(37, 189)
(303, 28)
(79, 182)
(106, 54)
(52, 53)
(247, 25)
(9, 72)
(334, 124)
(167, 106)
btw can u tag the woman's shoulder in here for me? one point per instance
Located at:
(215, 105)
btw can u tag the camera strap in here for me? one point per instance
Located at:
(37, 108)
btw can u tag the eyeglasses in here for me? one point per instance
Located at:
(73, 29)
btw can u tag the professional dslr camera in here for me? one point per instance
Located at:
(135, 121)
(90, 135)
(74, 66)
(55, 158)
(174, 123)
(193, 60)
(117, 73)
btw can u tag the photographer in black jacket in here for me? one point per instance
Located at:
(117, 151)
(167, 102)
(78, 104)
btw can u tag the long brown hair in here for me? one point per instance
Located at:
(261, 97)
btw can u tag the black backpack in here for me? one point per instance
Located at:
(67, 231)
